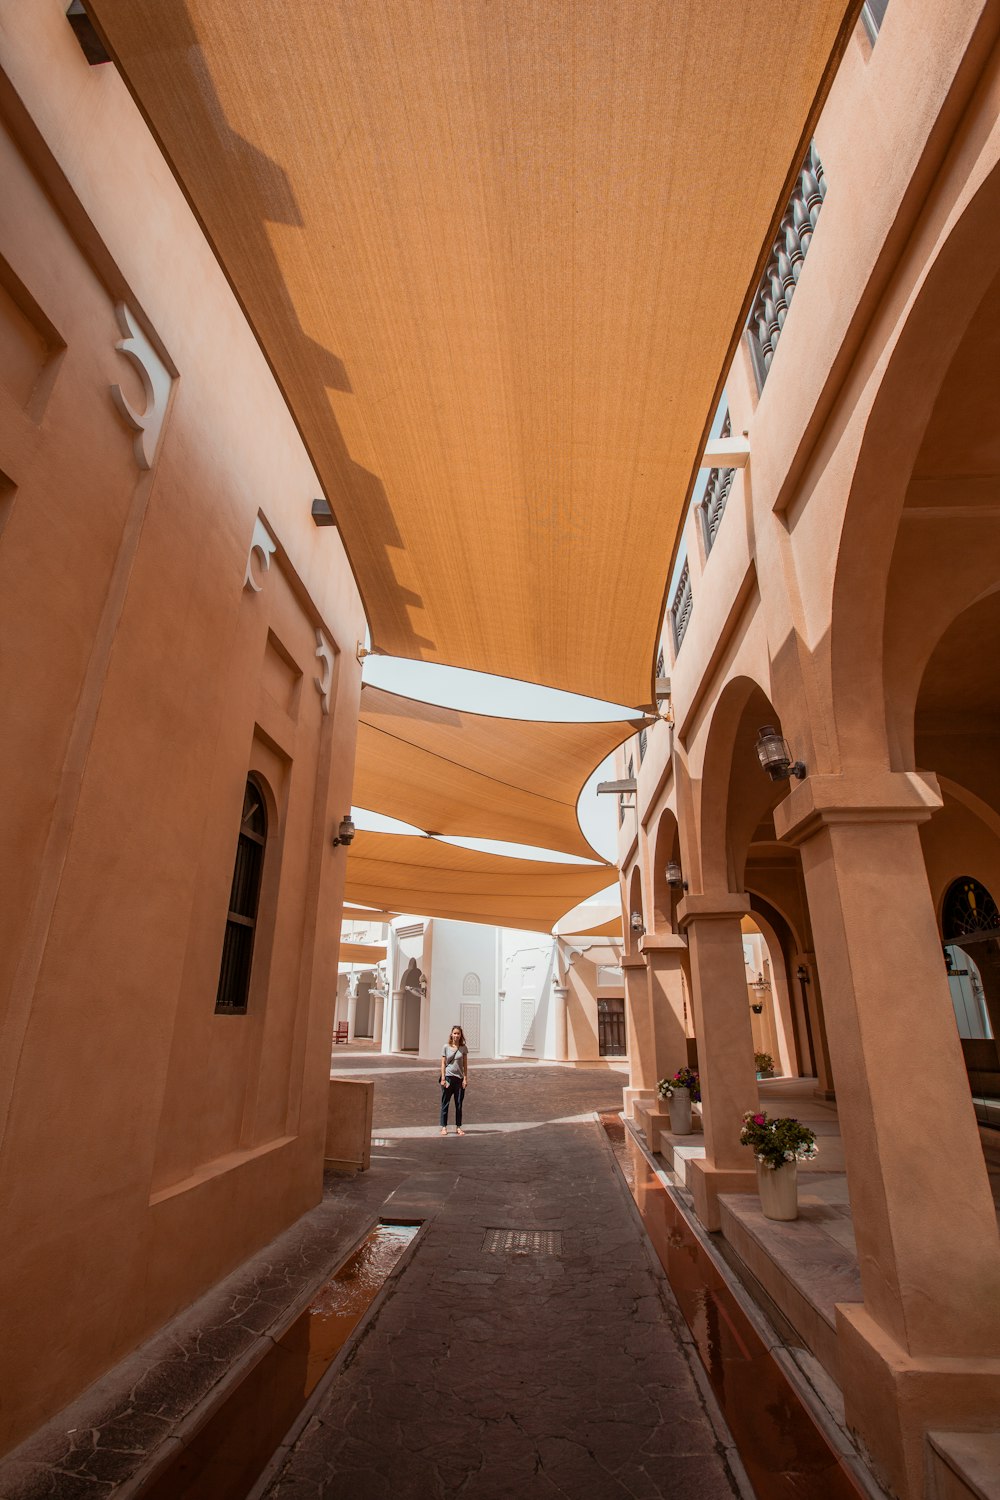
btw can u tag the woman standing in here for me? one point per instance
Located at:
(454, 1077)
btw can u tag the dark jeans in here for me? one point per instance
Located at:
(454, 1088)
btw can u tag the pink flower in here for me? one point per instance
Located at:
(758, 1119)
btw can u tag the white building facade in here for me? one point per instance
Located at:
(515, 994)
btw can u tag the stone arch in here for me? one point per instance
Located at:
(778, 943)
(666, 847)
(735, 793)
(635, 903)
(412, 999)
(942, 312)
(364, 1010)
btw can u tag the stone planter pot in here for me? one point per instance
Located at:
(778, 1189)
(679, 1105)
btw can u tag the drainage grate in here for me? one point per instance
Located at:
(523, 1242)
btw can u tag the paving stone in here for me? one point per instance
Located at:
(489, 1375)
(503, 1374)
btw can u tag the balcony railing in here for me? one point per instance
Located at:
(781, 275)
(713, 502)
(680, 610)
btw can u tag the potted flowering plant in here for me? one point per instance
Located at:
(764, 1063)
(680, 1091)
(778, 1146)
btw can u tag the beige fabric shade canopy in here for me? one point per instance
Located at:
(477, 241)
(597, 919)
(473, 776)
(362, 953)
(440, 880)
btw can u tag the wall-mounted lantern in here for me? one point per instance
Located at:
(346, 831)
(775, 757)
(675, 877)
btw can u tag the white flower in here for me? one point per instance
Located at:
(789, 1155)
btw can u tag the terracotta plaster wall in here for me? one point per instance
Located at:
(148, 1145)
(817, 601)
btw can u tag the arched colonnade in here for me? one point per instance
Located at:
(867, 638)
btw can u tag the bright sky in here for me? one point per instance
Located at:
(480, 692)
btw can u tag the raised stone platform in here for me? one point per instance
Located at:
(964, 1465)
(806, 1266)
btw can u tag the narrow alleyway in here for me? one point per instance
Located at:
(567, 1372)
(558, 1369)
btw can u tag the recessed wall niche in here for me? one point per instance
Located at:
(29, 345)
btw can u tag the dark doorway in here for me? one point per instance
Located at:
(611, 1027)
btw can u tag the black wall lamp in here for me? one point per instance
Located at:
(346, 831)
(675, 877)
(636, 923)
(775, 757)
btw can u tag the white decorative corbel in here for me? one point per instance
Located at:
(156, 380)
(324, 682)
(262, 548)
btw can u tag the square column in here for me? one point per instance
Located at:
(923, 1350)
(664, 954)
(642, 1075)
(725, 1047)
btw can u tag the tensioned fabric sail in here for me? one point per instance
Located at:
(473, 776)
(498, 253)
(362, 953)
(595, 919)
(440, 880)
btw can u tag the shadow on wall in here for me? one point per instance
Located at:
(248, 177)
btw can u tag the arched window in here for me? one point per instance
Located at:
(969, 910)
(237, 946)
(470, 984)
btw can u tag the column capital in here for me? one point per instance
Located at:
(713, 906)
(633, 961)
(875, 796)
(662, 942)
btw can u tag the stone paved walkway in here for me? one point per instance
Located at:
(496, 1375)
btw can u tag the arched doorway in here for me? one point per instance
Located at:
(364, 1007)
(412, 989)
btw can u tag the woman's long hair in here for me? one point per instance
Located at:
(461, 1037)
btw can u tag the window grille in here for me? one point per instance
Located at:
(241, 921)
(643, 741)
(621, 795)
(712, 505)
(781, 274)
(680, 610)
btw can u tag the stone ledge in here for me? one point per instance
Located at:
(802, 1268)
(964, 1465)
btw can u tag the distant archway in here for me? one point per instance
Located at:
(412, 987)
